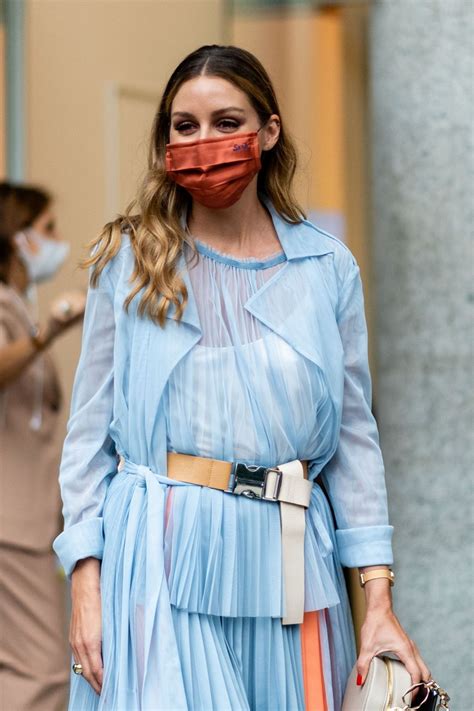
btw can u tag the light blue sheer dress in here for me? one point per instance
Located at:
(240, 392)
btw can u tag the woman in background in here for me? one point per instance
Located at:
(33, 673)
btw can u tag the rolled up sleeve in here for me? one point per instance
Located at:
(354, 477)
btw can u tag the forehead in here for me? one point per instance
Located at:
(47, 212)
(209, 93)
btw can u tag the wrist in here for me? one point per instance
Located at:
(86, 572)
(378, 596)
(377, 586)
(39, 337)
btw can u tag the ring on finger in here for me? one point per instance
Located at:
(77, 668)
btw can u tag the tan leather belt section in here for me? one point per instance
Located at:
(286, 484)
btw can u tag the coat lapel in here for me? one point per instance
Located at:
(165, 348)
(299, 240)
(190, 315)
(295, 302)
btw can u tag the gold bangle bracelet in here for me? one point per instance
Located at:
(377, 573)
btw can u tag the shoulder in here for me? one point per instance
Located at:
(117, 265)
(338, 257)
(119, 262)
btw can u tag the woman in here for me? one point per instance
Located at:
(32, 596)
(222, 327)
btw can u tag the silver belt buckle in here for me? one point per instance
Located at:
(250, 480)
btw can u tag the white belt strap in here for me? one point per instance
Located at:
(296, 489)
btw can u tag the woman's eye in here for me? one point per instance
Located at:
(185, 126)
(228, 124)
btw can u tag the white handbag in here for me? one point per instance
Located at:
(388, 687)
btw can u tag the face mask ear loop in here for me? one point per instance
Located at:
(21, 238)
(21, 241)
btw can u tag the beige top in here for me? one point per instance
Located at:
(30, 503)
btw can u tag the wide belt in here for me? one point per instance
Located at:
(286, 484)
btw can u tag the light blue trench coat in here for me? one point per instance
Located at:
(117, 409)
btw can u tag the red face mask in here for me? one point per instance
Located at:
(215, 171)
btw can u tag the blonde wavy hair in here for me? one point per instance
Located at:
(153, 218)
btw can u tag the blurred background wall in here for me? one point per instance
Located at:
(378, 96)
(421, 59)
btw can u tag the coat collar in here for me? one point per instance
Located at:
(298, 241)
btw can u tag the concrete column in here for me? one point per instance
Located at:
(422, 186)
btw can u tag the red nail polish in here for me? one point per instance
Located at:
(359, 680)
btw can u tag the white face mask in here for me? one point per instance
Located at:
(49, 256)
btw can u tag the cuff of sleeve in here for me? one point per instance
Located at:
(82, 540)
(365, 545)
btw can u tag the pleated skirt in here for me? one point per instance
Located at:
(192, 600)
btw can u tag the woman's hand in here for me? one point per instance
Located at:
(85, 632)
(65, 311)
(382, 632)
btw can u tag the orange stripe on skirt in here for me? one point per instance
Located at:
(314, 690)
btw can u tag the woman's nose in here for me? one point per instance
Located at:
(206, 132)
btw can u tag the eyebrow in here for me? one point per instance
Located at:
(218, 112)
